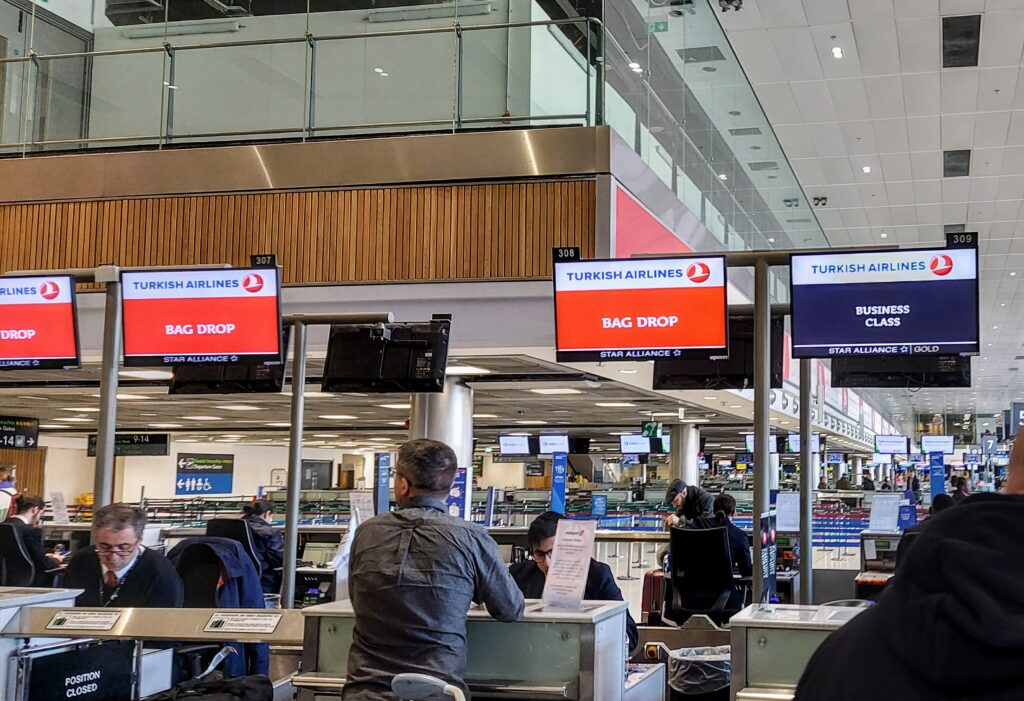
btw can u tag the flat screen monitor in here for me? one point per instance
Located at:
(382, 358)
(639, 308)
(551, 444)
(881, 458)
(907, 372)
(635, 445)
(885, 303)
(937, 444)
(793, 443)
(773, 443)
(515, 445)
(231, 379)
(733, 369)
(38, 323)
(201, 316)
(892, 445)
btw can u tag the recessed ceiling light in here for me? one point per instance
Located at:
(633, 65)
(238, 407)
(1013, 274)
(337, 417)
(884, 235)
(82, 409)
(663, 413)
(995, 328)
(165, 425)
(866, 169)
(556, 390)
(378, 440)
(186, 440)
(735, 406)
(326, 435)
(147, 374)
(629, 371)
(771, 239)
(723, 176)
(201, 418)
(485, 416)
(457, 370)
(531, 423)
(132, 397)
(710, 398)
(696, 421)
(279, 424)
(614, 405)
(622, 433)
(837, 52)
(74, 419)
(396, 423)
(378, 71)
(395, 406)
(520, 433)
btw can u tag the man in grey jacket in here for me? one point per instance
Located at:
(692, 503)
(414, 573)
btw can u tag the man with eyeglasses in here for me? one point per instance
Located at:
(532, 574)
(117, 569)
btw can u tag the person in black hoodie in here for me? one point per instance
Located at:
(691, 503)
(739, 544)
(950, 624)
(267, 542)
(27, 513)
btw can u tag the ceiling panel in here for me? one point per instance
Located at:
(885, 96)
(849, 99)
(814, 101)
(878, 47)
(919, 44)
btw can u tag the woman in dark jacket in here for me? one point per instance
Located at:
(267, 542)
(739, 544)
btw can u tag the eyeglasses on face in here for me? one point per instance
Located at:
(541, 554)
(120, 548)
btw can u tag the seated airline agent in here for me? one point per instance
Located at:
(117, 569)
(27, 512)
(531, 575)
(267, 542)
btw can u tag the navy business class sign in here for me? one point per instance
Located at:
(897, 302)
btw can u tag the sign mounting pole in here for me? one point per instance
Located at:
(103, 484)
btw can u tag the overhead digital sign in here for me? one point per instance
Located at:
(878, 303)
(634, 445)
(773, 443)
(639, 308)
(937, 444)
(514, 445)
(201, 316)
(793, 443)
(38, 324)
(892, 445)
(551, 444)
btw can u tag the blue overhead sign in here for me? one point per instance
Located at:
(898, 302)
(200, 474)
(559, 467)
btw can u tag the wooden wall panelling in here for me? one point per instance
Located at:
(29, 469)
(441, 232)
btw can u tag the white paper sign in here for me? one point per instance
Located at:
(84, 620)
(787, 506)
(360, 509)
(885, 512)
(870, 551)
(361, 502)
(60, 507)
(254, 623)
(569, 564)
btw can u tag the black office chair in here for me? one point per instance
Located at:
(16, 568)
(702, 577)
(238, 530)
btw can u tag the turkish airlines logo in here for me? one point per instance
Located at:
(252, 283)
(49, 290)
(941, 265)
(698, 272)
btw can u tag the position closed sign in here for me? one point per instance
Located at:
(182, 317)
(38, 327)
(637, 309)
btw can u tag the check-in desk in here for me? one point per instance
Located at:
(92, 650)
(549, 654)
(877, 562)
(77, 535)
(13, 600)
(771, 646)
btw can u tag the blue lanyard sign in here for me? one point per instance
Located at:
(599, 505)
(938, 474)
(458, 495)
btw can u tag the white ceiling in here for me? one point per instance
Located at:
(889, 105)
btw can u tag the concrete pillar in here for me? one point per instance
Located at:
(815, 468)
(858, 470)
(685, 439)
(774, 469)
(446, 416)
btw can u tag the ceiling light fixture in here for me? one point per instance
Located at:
(837, 52)
(614, 405)
(238, 407)
(395, 406)
(165, 426)
(556, 390)
(279, 424)
(634, 65)
(629, 372)
(884, 235)
(201, 418)
(485, 416)
(81, 409)
(866, 169)
(457, 370)
(723, 176)
(337, 417)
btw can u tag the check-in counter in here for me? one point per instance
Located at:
(13, 600)
(77, 535)
(771, 646)
(549, 654)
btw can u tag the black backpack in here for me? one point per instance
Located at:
(214, 687)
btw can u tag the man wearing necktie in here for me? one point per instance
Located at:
(117, 569)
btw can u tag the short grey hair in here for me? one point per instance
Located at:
(117, 517)
(428, 465)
